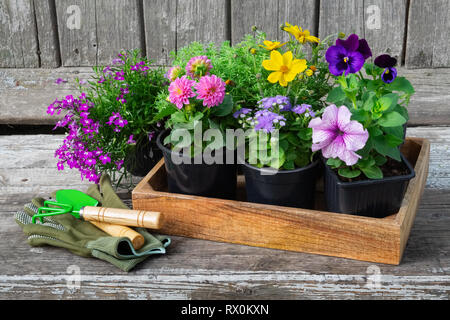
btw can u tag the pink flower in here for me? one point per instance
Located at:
(173, 73)
(198, 67)
(105, 159)
(131, 140)
(180, 91)
(211, 89)
(337, 136)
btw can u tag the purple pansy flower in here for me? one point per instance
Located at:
(337, 136)
(388, 63)
(348, 56)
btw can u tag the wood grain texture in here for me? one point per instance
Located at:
(428, 34)
(47, 32)
(197, 269)
(249, 13)
(301, 13)
(78, 41)
(160, 18)
(18, 37)
(118, 28)
(380, 22)
(201, 20)
(300, 230)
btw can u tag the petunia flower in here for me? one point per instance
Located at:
(337, 136)
(302, 36)
(198, 67)
(211, 89)
(180, 91)
(269, 45)
(284, 67)
(348, 56)
(388, 63)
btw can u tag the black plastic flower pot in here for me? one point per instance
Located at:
(368, 198)
(205, 180)
(143, 158)
(293, 188)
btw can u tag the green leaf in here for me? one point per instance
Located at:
(382, 146)
(225, 109)
(336, 95)
(289, 165)
(401, 84)
(393, 141)
(366, 163)
(349, 173)
(391, 119)
(388, 101)
(335, 163)
(373, 172)
(360, 115)
(380, 160)
(305, 134)
(369, 102)
(375, 131)
(403, 111)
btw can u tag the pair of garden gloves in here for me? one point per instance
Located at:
(83, 238)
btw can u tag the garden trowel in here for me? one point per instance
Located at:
(110, 220)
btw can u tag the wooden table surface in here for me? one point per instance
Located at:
(196, 269)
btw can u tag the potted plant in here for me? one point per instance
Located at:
(366, 173)
(283, 170)
(198, 111)
(112, 125)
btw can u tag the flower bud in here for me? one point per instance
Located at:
(341, 35)
(253, 51)
(258, 76)
(254, 28)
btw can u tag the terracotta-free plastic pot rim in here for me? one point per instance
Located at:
(368, 181)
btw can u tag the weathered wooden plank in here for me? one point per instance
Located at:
(119, 27)
(195, 269)
(380, 22)
(25, 94)
(260, 13)
(18, 37)
(201, 20)
(47, 31)
(428, 34)
(77, 32)
(160, 29)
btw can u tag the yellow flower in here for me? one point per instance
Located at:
(309, 73)
(269, 45)
(253, 51)
(284, 66)
(302, 36)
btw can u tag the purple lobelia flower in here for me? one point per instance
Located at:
(348, 56)
(337, 136)
(241, 113)
(388, 63)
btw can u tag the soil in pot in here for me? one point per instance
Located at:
(369, 198)
(294, 188)
(205, 180)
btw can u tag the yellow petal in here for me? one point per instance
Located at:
(287, 58)
(277, 58)
(274, 77)
(298, 65)
(290, 76)
(283, 81)
(270, 65)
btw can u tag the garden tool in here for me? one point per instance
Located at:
(83, 238)
(110, 220)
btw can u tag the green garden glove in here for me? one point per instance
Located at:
(83, 238)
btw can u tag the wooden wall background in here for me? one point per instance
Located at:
(44, 33)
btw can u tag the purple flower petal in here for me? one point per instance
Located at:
(351, 44)
(389, 75)
(364, 49)
(355, 62)
(385, 61)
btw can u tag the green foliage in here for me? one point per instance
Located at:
(381, 108)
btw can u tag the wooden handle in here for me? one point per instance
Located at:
(121, 232)
(123, 217)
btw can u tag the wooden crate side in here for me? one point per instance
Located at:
(311, 232)
(407, 214)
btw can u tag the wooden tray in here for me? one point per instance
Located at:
(310, 231)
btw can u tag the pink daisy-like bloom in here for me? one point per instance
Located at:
(337, 136)
(211, 89)
(180, 91)
(198, 67)
(173, 73)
